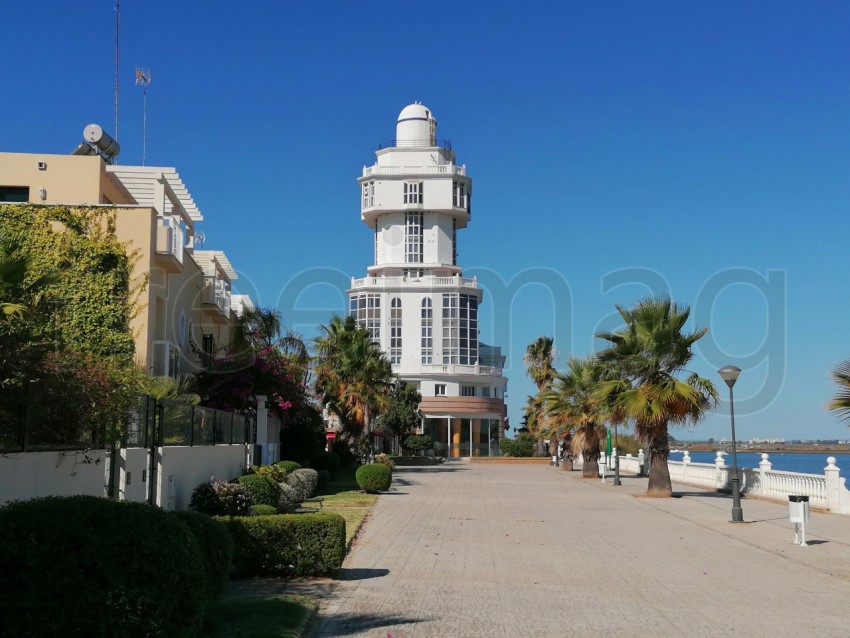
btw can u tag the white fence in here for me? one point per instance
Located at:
(826, 491)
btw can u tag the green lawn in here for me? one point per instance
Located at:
(344, 497)
(265, 616)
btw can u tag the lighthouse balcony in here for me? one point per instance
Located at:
(433, 169)
(426, 281)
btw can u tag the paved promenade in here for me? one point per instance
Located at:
(525, 550)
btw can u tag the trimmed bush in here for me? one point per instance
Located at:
(217, 498)
(328, 461)
(288, 466)
(288, 499)
(324, 479)
(523, 445)
(216, 549)
(304, 482)
(264, 490)
(374, 477)
(89, 566)
(291, 544)
(419, 443)
(263, 510)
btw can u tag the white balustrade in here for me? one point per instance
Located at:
(434, 169)
(426, 281)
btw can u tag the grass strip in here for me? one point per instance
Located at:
(260, 616)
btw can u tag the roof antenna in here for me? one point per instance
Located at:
(143, 78)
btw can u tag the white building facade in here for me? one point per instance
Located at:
(415, 301)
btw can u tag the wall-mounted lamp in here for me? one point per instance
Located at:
(42, 192)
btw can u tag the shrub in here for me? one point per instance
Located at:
(418, 443)
(90, 566)
(374, 477)
(274, 472)
(329, 461)
(289, 466)
(324, 479)
(523, 445)
(263, 510)
(304, 482)
(288, 498)
(264, 490)
(295, 544)
(216, 549)
(218, 498)
(386, 460)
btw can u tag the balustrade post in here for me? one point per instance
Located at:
(641, 458)
(686, 460)
(720, 464)
(764, 468)
(833, 485)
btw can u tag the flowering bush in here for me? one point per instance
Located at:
(386, 460)
(274, 472)
(218, 498)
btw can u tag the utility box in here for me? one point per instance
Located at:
(798, 508)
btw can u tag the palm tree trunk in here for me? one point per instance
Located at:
(590, 467)
(370, 444)
(659, 474)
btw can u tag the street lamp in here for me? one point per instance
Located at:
(730, 374)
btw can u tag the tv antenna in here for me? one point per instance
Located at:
(143, 79)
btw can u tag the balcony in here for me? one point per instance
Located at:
(215, 293)
(454, 368)
(166, 359)
(169, 244)
(423, 282)
(439, 169)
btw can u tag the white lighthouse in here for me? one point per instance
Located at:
(415, 301)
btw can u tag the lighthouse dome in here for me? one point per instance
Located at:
(416, 126)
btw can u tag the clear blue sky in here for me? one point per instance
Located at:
(615, 147)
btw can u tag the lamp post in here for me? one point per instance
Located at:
(730, 374)
(616, 457)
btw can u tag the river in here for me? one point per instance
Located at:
(805, 463)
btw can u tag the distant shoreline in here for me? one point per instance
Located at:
(770, 449)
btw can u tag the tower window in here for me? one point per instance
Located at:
(439, 389)
(459, 194)
(460, 329)
(395, 330)
(467, 390)
(454, 242)
(427, 331)
(413, 192)
(366, 310)
(413, 238)
(368, 194)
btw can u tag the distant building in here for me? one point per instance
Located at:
(188, 297)
(415, 301)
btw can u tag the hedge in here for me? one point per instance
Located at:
(88, 566)
(216, 549)
(288, 466)
(263, 510)
(304, 482)
(290, 544)
(263, 488)
(374, 477)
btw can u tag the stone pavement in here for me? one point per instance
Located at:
(519, 550)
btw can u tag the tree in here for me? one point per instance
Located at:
(181, 389)
(540, 359)
(353, 377)
(840, 403)
(572, 404)
(644, 361)
(402, 415)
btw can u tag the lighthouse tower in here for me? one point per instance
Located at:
(415, 301)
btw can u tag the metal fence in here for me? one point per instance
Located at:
(34, 425)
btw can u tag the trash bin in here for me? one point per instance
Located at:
(798, 508)
(798, 513)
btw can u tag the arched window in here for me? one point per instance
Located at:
(395, 331)
(427, 331)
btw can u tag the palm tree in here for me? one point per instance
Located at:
(644, 360)
(840, 403)
(181, 389)
(540, 359)
(262, 329)
(353, 376)
(572, 404)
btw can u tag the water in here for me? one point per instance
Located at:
(805, 463)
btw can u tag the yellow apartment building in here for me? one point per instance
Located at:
(188, 297)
